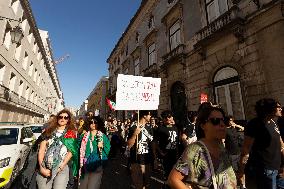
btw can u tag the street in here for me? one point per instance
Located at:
(116, 175)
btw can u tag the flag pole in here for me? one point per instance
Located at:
(137, 135)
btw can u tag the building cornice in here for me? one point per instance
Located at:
(143, 3)
(26, 6)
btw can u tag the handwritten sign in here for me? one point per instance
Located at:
(137, 92)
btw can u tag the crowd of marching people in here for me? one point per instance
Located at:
(209, 151)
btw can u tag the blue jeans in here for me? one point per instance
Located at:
(266, 178)
(280, 183)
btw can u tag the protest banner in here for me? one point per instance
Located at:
(137, 92)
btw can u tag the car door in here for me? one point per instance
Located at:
(24, 147)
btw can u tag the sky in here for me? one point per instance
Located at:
(88, 31)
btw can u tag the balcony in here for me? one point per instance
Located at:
(151, 70)
(176, 54)
(231, 21)
(12, 98)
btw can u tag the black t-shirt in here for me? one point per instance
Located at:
(167, 137)
(142, 155)
(233, 141)
(266, 149)
(189, 130)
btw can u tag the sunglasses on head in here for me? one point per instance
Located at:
(216, 121)
(63, 117)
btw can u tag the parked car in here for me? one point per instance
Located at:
(36, 129)
(15, 144)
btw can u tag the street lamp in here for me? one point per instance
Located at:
(17, 33)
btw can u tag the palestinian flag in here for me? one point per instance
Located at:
(71, 142)
(111, 104)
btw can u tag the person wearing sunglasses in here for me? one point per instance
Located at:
(94, 150)
(263, 147)
(205, 163)
(58, 147)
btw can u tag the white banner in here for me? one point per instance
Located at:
(137, 92)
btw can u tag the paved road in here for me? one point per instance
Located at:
(116, 176)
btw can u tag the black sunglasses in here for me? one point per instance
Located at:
(216, 121)
(93, 122)
(63, 117)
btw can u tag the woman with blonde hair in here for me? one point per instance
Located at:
(56, 150)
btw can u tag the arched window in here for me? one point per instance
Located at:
(228, 92)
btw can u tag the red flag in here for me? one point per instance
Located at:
(111, 104)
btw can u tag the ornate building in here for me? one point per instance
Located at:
(29, 86)
(226, 51)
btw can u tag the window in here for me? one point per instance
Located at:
(38, 81)
(25, 61)
(32, 96)
(175, 35)
(21, 87)
(27, 92)
(152, 56)
(2, 71)
(30, 36)
(35, 47)
(126, 50)
(7, 36)
(151, 22)
(31, 69)
(35, 75)
(137, 37)
(36, 99)
(136, 66)
(15, 5)
(12, 82)
(215, 8)
(24, 22)
(12, 2)
(228, 92)
(18, 52)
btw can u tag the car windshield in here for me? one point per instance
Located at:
(36, 129)
(8, 136)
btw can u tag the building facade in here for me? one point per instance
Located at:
(29, 86)
(97, 98)
(225, 51)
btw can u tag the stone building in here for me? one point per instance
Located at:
(225, 51)
(97, 98)
(29, 86)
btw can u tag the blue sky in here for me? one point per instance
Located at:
(87, 30)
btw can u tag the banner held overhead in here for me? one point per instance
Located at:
(137, 92)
